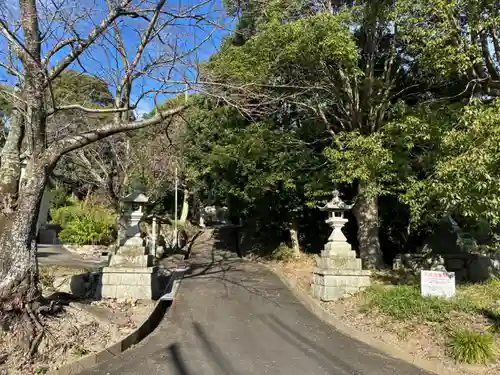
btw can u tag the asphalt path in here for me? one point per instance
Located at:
(237, 318)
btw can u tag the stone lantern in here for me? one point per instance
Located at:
(336, 209)
(132, 215)
(131, 273)
(338, 272)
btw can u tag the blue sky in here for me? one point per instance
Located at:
(102, 59)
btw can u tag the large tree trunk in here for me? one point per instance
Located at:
(366, 212)
(10, 170)
(18, 266)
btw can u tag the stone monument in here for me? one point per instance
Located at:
(131, 273)
(338, 272)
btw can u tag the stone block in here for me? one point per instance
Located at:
(108, 291)
(334, 272)
(332, 293)
(131, 260)
(330, 284)
(484, 267)
(134, 291)
(131, 251)
(397, 263)
(338, 247)
(338, 253)
(134, 241)
(130, 282)
(461, 275)
(454, 264)
(130, 269)
(341, 281)
(339, 263)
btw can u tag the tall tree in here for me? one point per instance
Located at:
(458, 39)
(266, 174)
(343, 67)
(45, 39)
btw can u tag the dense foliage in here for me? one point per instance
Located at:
(393, 103)
(391, 100)
(84, 223)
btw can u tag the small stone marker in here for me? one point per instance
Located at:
(437, 284)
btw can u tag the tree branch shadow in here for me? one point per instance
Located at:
(178, 360)
(327, 360)
(208, 346)
(214, 351)
(224, 270)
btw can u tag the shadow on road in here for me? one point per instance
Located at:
(230, 271)
(334, 364)
(45, 254)
(177, 359)
(209, 347)
(214, 351)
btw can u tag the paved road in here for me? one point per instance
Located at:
(60, 256)
(236, 318)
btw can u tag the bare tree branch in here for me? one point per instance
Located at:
(87, 110)
(92, 36)
(71, 143)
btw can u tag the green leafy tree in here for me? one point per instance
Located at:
(270, 176)
(456, 38)
(455, 169)
(343, 68)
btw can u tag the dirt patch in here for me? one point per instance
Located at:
(422, 339)
(84, 327)
(300, 269)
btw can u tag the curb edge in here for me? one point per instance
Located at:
(433, 366)
(147, 327)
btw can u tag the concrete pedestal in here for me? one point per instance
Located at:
(119, 260)
(338, 273)
(130, 275)
(333, 284)
(130, 282)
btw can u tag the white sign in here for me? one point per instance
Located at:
(437, 284)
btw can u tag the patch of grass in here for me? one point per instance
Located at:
(403, 302)
(480, 295)
(283, 253)
(471, 346)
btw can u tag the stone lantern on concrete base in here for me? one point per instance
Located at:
(131, 273)
(338, 272)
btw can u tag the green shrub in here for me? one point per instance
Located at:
(64, 215)
(85, 224)
(283, 253)
(404, 302)
(471, 346)
(60, 197)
